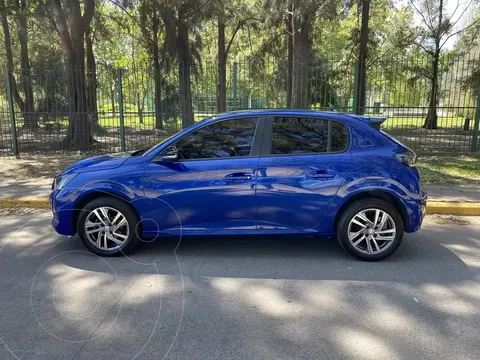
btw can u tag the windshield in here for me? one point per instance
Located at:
(153, 148)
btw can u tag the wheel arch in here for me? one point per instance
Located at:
(96, 194)
(374, 194)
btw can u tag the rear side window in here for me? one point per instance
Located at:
(295, 135)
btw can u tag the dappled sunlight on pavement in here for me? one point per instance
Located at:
(238, 297)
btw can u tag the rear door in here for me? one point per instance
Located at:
(304, 161)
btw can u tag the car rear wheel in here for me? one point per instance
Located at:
(107, 227)
(370, 229)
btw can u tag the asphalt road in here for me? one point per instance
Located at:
(238, 298)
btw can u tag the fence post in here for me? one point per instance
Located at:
(234, 85)
(476, 124)
(11, 110)
(120, 109)
(355, 88)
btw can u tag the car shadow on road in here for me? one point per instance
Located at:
(421, 258)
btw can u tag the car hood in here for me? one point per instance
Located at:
(103, 162)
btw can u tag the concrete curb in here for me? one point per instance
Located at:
(433, 207)
(453, 208)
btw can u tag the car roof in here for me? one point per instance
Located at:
(291, 112)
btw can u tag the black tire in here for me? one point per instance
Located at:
(354, 209)
(119, 205)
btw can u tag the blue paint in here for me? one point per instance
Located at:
(261, 193)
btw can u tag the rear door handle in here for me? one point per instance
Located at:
(238, 176)
(321, 174)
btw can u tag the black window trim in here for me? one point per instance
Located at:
(257, 143)
(267, 143)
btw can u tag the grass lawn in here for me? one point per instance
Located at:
(449, 170)
(131, 120)
(417, 122)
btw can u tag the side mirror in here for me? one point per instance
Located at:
(170, 154)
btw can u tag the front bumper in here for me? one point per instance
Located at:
(62, 215)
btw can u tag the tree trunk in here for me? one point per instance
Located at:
(184, 75)
(79, 129)
(157, 74)
(112, 92)
(432, 117)
(362, 58)
(73, 47)
(91, 78)
(301, 52)
(9, 54)
(29, 116)
(289, 55)
(139, 109)
(222, 66)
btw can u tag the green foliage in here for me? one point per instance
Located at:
(398, 72)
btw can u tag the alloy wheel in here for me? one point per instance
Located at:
(371, 231)
(106, 228)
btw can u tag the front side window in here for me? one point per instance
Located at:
(223, 139)
(295, 135)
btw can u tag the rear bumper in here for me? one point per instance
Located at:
(416, 213)
(424, 204)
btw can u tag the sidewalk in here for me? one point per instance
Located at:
(442, 199)
(453, 193)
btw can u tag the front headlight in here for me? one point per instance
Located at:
(62, 180)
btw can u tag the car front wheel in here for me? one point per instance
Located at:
(370, 229)
(107, 226)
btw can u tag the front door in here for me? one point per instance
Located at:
(304, 161)
(211, 186)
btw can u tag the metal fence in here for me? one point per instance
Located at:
(127, 109)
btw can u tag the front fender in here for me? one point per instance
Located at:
(64, 202)
(71, 196)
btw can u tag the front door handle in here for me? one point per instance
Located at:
(238, 176)
(321, 174)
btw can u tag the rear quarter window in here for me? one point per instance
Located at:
(339, 137)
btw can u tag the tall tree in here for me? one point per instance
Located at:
(303, 14)
(72, 24)
(150, 24)
(303, 17)
(91, 89)
(436, 29)
(289, 26)
(232, 15)
(9, 54)
(29, 116)
(363, 57)
(182, 40)
(19, 9)
(222, 59)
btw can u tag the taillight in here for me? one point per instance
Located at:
(408, 157)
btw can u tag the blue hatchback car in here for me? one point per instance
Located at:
(252, 172)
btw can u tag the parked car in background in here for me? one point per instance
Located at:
(253, 172)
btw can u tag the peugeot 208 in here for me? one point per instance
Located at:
(256, 172)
